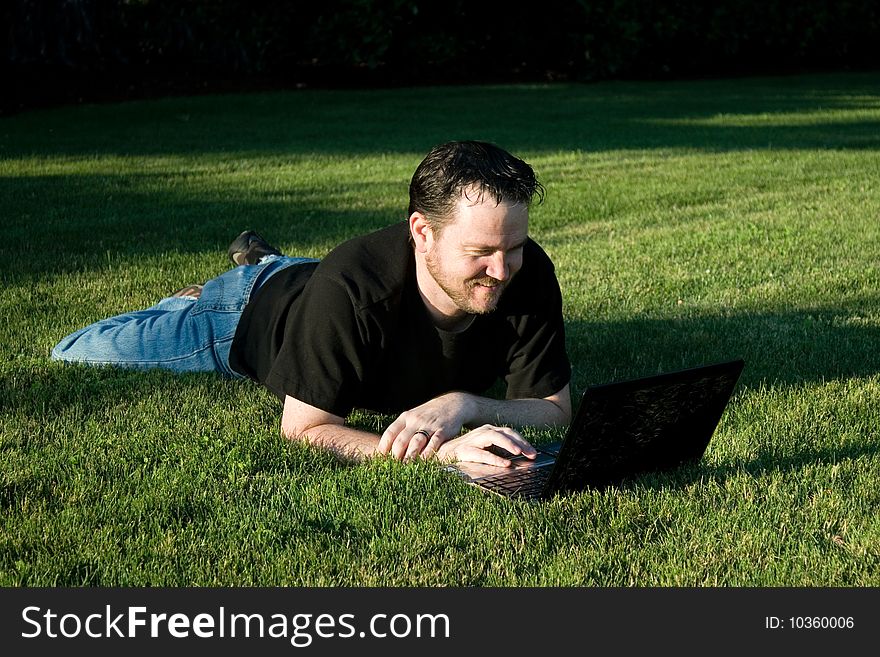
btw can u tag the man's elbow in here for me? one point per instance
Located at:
(302, 422)
(293, 434)
(306, 434)
(561, 417)
(562, 412)
(564, 417)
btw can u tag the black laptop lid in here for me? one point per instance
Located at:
(643, 425)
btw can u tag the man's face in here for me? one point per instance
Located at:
(478, 253)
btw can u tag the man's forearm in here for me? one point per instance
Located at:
(344, 441)
(515, 412)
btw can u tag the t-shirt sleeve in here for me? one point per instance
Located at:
(537, 361)
(321, 358)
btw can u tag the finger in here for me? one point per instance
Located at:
(434, 444)
(390, 434)
(402, 442)
(506, 438)
(478, 455)
(416, 445)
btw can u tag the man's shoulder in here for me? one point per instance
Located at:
(373, 244)
(535, 254)
(534, 286)
(538, 267)
(371, 267)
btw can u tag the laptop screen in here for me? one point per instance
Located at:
(650, 424)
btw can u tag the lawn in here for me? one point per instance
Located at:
(690, 222)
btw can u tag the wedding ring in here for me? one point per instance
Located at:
(424, 432)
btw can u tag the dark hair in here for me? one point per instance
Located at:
(456, 167)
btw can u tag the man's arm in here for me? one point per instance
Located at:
(302, 421)
(443, 417)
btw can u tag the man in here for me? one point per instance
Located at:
(418, 319)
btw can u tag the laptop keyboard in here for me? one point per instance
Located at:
(520, 483)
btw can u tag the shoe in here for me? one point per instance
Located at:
(248, 248)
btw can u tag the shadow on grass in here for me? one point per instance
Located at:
(48, 392)
(61, 223)
(763, 464)
(82, 223)
(783, 351)
(781, 348)
(536, 118)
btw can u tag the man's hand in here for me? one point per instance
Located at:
(422, 430)
(473, 445)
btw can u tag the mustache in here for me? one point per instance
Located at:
(487, 281)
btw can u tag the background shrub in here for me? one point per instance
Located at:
(70, 49)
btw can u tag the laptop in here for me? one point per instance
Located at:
(620, 431)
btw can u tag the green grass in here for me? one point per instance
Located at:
(690, 223)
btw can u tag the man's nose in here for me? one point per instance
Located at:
(498, 268)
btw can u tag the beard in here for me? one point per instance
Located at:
(476, 296)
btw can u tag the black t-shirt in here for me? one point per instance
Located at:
(353, 332)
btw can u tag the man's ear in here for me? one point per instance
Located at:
(420, 231)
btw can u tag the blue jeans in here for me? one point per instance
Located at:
(182, 334)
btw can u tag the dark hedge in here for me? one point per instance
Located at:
(61, 50)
